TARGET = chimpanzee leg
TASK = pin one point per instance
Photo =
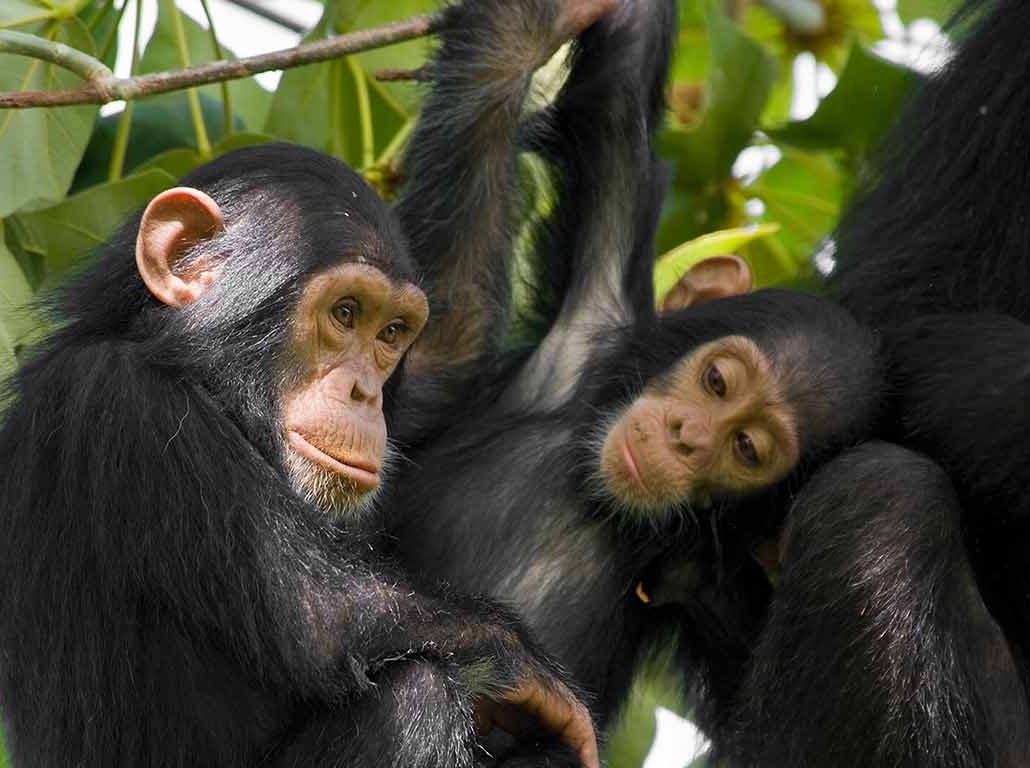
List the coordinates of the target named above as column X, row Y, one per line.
column 879, row 650
column 415, row 717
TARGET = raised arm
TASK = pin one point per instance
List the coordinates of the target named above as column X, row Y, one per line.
column 596, row 249
column 457, row 205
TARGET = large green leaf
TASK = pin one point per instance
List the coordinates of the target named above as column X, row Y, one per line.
column 335, row 107
column 353, row 15
column 802, row 194
column 740, row 76
column 739, row 80
column 40, row 148
column 55, row 239
column 18, row 322
column 17, row 13
column 857, row 112
column 158, row 125
column 671, row 266
column 178, row 162
column 250, row 101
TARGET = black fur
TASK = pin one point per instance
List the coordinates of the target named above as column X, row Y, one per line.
column 509, row 504
column 941, row 222
column 934, row 250
column 877, row 649
column 166, row 598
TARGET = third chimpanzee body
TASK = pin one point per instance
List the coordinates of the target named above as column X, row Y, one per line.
column 934, row 249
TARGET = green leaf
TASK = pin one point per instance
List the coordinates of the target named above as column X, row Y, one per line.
column 19, row 323
column 938, row 10
column 175, row 162
column 690, row 212
column 4, row 763
column 323, row 106
column 41, row 148
column 803, row 194
column 250, row 101
column 856, row 114
column 655, row 683
column 57, row 238
column 739, row 81
column 17, row 13
column 351, row 15
column 672, row 265
column 159, row 125
column 178, row 162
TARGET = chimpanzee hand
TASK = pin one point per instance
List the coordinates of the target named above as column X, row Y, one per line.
column 577, row 15
column 538, row 701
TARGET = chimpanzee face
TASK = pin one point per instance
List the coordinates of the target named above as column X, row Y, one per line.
column 352, row 326
column 716, row 422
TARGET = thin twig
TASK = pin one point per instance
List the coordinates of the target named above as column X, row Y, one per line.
column 393, row 75
column 105, row 89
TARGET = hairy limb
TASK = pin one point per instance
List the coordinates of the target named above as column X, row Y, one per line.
column 415, row 716
column 225, row 549
column 596, row 246
column 879, row 650
column 458, row 202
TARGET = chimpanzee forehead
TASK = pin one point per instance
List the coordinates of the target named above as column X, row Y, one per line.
column 333, row 215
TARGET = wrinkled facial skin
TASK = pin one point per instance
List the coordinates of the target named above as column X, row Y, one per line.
column 715, row 423
column 351, row 329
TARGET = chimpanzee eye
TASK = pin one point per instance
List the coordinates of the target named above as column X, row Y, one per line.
column 714, row 382
column 391, row 333
column 746, row 449
column 344, row 312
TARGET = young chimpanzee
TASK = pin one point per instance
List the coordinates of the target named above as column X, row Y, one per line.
column 553, row 471
column 174, row 591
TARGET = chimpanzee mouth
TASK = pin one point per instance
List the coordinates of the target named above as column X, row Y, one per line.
column 630, row 462
column 362, row 473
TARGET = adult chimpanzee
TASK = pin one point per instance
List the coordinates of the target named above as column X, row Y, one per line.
column 616, row 413
column 941, row 228
column 168, row 596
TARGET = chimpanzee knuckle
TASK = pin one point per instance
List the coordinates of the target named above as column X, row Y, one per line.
column 576, row 15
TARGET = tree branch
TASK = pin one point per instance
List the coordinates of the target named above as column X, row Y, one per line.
column 103, row 87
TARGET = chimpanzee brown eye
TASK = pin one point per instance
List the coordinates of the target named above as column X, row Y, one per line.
column 746, row 449
column 391, row 333
column 714, row 381
column 344, row 312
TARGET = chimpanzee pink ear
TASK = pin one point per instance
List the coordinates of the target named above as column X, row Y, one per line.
column 173, row 222
column 714, row 278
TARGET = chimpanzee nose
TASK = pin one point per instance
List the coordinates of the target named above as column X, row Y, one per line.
column 690, row 429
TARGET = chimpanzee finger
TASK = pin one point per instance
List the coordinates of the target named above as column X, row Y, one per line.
column 560, row 712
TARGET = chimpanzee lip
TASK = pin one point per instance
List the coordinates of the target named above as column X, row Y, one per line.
column 361, row 472
column 630, row 461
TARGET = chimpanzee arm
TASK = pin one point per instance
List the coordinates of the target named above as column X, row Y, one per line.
column 184, row 526
column 457, row 207
column 597, row 245
column 878, row 649
column 963, row 397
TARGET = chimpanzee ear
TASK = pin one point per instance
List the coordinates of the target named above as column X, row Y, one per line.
column 714, row 278
column 173, row 222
